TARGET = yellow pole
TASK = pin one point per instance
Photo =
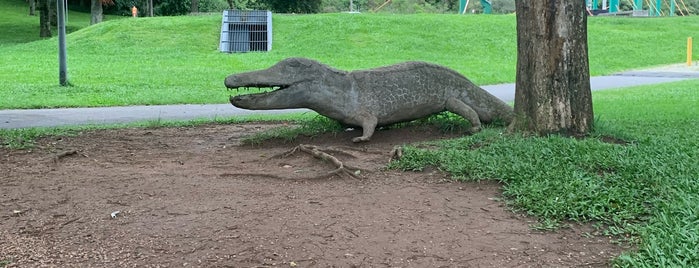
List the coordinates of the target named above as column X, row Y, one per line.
column 689, row 51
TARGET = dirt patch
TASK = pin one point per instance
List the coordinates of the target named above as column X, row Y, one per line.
column 196, row 197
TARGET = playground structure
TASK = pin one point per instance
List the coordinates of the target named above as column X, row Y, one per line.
column 486, row 4
column 611, row 7
column 654, row 9
column 607, row 7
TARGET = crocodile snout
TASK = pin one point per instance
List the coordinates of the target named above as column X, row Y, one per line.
column 231, row 82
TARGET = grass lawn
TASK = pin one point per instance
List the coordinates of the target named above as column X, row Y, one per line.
column 174, row 60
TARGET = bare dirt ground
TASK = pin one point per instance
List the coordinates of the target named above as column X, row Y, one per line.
column 196, row 197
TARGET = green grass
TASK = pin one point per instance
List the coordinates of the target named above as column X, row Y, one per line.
column 309, row 126
column 617, row 44
column 174, row 60
column 646, row 188
column 4, row 263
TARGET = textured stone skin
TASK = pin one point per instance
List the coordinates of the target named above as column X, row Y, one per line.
column 369, row 98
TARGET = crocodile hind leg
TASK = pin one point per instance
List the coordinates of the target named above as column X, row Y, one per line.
column 368, row 123
column 459, row 107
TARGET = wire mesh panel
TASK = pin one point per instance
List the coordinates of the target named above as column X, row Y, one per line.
column 248, row 30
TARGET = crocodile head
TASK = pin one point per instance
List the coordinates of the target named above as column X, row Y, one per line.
column 290, row 82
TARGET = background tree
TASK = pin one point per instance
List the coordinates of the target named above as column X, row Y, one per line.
column 298, row 6
column 45, row 18
column 32, row 7
column 53, row 18
column 96, row 15
column 552, row 92
column 194, row 8
column 96, row 10
column 503, row 6
column 212, row 6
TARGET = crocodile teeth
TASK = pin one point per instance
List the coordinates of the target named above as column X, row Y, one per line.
column 261, row 89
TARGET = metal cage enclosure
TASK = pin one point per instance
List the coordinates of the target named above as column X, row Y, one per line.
column 246, row 30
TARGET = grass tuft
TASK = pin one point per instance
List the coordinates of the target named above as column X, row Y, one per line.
column 305, row 127
column 5, row 262
column 26, row 138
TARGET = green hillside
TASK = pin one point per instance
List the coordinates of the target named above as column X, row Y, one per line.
column 165, row 60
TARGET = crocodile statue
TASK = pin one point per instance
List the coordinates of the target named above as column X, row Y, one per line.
column 369, row 98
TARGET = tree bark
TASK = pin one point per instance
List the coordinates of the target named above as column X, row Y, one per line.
column 150, row 8
column 552, row 92
column 32, row 7
column 53, row 16
column 44, row 19
column 195, row 7
column 96, row 12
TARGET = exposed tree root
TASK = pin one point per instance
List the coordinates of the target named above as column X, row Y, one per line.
column 66, row 153
column 257, row 175
column 356, row 149
column 323, row 154
column 57, row 158
column 317, row 153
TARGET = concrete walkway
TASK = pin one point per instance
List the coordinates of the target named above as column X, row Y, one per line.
column 12, row 119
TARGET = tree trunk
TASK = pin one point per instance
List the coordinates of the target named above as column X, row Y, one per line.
column 32, row 7
column 150, row 8
column 95, row 11
column 44, row 20
column 552, row 92
column 195, row 7
column 53, row 20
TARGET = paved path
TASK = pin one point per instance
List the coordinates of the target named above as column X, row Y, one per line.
column 11, row 119
column 506, row 92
